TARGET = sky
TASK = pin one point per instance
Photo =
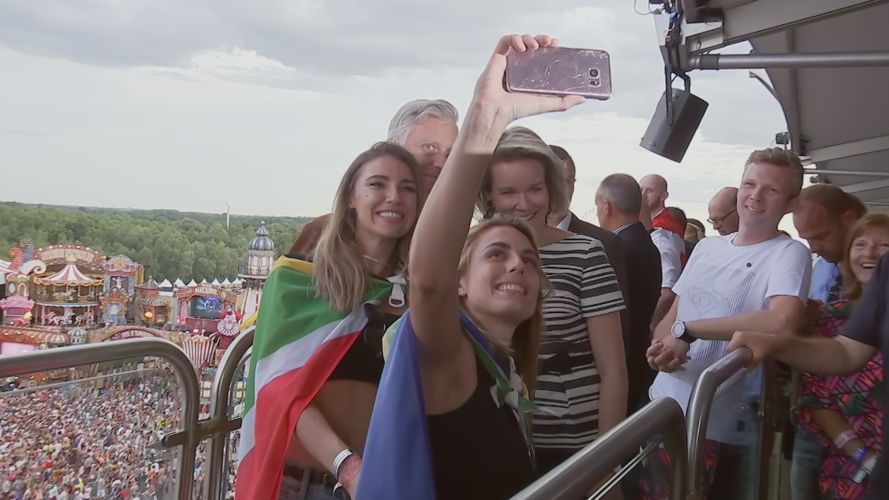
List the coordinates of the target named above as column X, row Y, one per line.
column 190, row 105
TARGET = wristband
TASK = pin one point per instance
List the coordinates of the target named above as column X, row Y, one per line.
column 864, row 471
column 860, row 453
column 338, row 461
column 844, row 438
column 349, row 471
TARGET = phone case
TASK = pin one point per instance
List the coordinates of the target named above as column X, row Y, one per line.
column 560, row 71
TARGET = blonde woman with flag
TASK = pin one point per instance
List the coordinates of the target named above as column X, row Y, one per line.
column 317, row 358
column 452, row 416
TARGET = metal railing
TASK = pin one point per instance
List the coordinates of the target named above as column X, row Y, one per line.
column 88, row 354
column 703, row 394
column 219, row 426
column 575, row 477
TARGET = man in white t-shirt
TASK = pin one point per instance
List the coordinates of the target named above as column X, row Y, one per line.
column 757, row 278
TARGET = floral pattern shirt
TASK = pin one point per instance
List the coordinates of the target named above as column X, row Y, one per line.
column 856, row 397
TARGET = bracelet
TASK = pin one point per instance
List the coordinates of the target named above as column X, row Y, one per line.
column 860, row 453
column 338, row 461
column 844, row 438
column 864, row 471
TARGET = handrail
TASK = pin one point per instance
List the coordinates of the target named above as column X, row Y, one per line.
column 700, row 402
column 766, row 426
column 220, row 424
column 582, row 471
column 87, row 354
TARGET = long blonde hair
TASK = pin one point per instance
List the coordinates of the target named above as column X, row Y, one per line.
column 526, row 339
column 340, row 273
column 852, row 287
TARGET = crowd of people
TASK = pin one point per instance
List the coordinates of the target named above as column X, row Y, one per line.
column 96, row 439
column 525, row 338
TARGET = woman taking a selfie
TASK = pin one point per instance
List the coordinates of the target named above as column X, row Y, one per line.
column 582, row 385
column 472, row 331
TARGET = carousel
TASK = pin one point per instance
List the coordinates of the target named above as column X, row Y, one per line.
column 67, row 298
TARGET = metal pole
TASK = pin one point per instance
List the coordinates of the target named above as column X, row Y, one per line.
column 701, row 400
column 219, row 402
column 88, row 354
column 766, row 428
column 797, row 60
column 577, row 475
column 862, row 173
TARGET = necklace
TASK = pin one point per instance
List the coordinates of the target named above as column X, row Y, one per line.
column 373, row 259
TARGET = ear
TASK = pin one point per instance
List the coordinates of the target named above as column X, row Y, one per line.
column 461, row 290
column 849, row 217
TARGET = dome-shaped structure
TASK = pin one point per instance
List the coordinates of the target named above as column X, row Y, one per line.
column 77, row 335
column 260, row 257
column 261, row 242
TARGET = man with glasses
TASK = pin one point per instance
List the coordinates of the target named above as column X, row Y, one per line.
column 723, row 211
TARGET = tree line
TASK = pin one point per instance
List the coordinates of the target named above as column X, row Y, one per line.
column 168, row 243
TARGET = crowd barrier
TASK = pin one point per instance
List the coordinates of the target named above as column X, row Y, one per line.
column 605, row 462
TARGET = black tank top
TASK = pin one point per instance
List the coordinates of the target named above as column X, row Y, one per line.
column 364, row 359
column 478, row 451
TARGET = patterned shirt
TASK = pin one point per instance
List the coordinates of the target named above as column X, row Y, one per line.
column 567, row 393
column 856, row 397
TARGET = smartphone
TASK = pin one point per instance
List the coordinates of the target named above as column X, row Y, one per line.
column 560, row 71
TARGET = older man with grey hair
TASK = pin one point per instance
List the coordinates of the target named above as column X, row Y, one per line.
column 618, row 203
column 428, row 129
column 425, row 127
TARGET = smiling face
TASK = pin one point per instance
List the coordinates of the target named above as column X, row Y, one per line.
column 502, row 278
column 384, row 198
column 865, row 250
column 518, row 188
column 430, row 141
column 765, row 195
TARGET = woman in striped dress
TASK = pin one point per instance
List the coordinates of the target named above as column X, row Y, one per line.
column 582, row 382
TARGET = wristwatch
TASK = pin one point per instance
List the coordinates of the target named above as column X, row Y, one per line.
column 679, row 331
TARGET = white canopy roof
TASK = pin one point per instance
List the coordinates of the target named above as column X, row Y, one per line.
column 68, row 275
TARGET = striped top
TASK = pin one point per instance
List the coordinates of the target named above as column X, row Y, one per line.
column 567, row 393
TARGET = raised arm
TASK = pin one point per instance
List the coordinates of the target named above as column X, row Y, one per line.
column 445, row 219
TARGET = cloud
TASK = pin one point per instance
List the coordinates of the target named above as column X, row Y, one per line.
column 319, row 45
column 265, row 103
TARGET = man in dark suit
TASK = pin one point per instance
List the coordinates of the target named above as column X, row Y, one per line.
column 612, row 244
column 618, row 203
